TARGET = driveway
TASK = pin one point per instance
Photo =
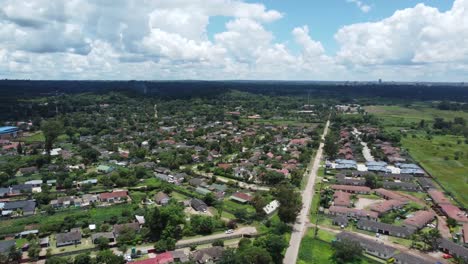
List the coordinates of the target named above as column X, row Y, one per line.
column 307, row 194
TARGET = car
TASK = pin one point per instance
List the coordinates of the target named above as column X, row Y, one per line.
column 447, row 256
column 229, row 231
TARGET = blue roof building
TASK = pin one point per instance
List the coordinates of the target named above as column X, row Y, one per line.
column 8, row 131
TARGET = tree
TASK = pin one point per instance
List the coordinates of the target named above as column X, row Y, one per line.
column 57, row 260
column 209, row 199
column 430, row 238
column 34, row 249
column 274, row 244
column 253, row 255
column 290, row 203
column 82, row 259
column 102, row 243
column 272, row 177
column 51, row 130
column 107, row 257
column 330, row 147
column 258, row 202
column 346, row 251
column 451, row 222
column 372, row 181
column 202, row 224
column 14, row 255
column 19, row 149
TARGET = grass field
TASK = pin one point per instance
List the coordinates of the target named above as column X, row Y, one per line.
column 432, row 155
column 317, row 251
column 37, row 137
column 94, row 215
column 403, row 116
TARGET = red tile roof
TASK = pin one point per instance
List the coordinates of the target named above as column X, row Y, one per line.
column 419, row 219
column 386, row 206
column 438, row 197
column 454, row 212
column 342, row 199
column 116, row 194
column 465, row 233
column 243, row 196
column 351, row 188
column 390, row 194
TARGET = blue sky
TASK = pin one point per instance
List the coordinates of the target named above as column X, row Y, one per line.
column 400, row 40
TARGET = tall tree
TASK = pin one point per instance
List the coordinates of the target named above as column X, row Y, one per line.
column 290, row 203
column 346, row 251
column 51, row 130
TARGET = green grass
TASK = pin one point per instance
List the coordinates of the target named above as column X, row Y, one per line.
column 431, row 155
column 402, row 116
column 93, row 215
column 37, row 137
column 315, row 251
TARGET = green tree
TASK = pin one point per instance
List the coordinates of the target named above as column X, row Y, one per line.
column 82, row 259
column 253, row 255
column 274, row 244
column 346, row 251
column 102, row 243
column 290, row 203
column 107, row 257
column 51, row 130
column 34, row 249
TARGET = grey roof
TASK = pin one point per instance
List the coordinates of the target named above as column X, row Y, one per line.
column 26, row 206
column 206, row 254
column 367, row 244
column 453, row 248
column 341, row 220
column 405, row 258
column 119, row 228
column 198, row 204
column 400, row 185
column 376, row 163
column 392, row 229
column 426, row 183
column 68, row 237
column 108, row 235
column 5, row 245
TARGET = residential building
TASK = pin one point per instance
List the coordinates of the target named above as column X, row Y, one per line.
column 352, row 189
column 271, row 207
column 352, row 212
column 198, row 205
column 161, row 198
column 386, row 229
column 342, row 199
column 113, row 197
column 241, row 197
column 387, row 206
column 207, row 255
column 419, row 219
column 69, row 238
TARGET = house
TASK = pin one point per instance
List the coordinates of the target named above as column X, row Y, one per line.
column 453, row 249
column 386, row 229
column 109, row 235
column 119, row 228
column 271, row 207
column 405, row 258
column 8, row 132
column 410, row 169
column 343, row 180
column 104, row 169
column 207, row 255
column 405, row 186
column 202, row 191
column 352, row 212
column 27, row 207
column 340, row 220
column 66, row 239
column 342, row 199
column 34, row 183
column 454, row 212
column 27, row 171
column 389, row 195
column 419, row 219
column 5, row 246
column 387, row 206
column 241, row 197
column 195, row 182
column 161, row 198
column 26, row 233
column 198, row 205
column 426, row 183
column 438, row 197
column 217, row 187
column 113, row 197
column 140, row 219
column 180, row 256
column 374, row 248
column 352, row 189
column 44, row 242
column 342, row 164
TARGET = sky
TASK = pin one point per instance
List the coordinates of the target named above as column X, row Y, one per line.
column 355, row 40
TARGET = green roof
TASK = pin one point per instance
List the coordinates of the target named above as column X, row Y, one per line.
column 202, row 190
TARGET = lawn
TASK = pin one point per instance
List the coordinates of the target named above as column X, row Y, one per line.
column 314, row 251
column 37, row 137
column 431, row 154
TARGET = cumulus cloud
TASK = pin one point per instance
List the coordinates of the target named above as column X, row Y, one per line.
column 160, row 39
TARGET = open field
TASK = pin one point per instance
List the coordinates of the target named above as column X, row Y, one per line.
column 317, row 251
column 403, row 116
column 432, row 155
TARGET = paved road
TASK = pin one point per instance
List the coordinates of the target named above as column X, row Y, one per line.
column 307, row 194
column 248, row 230
column 399, row 247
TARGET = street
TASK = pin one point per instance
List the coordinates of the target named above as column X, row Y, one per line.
column 307, row 195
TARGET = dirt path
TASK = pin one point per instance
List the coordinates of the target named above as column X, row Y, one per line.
column 303, row 218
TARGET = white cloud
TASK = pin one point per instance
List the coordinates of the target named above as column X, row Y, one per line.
column 362, row 6
column 160, row 39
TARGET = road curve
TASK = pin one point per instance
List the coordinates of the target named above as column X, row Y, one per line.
column 307, row 195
